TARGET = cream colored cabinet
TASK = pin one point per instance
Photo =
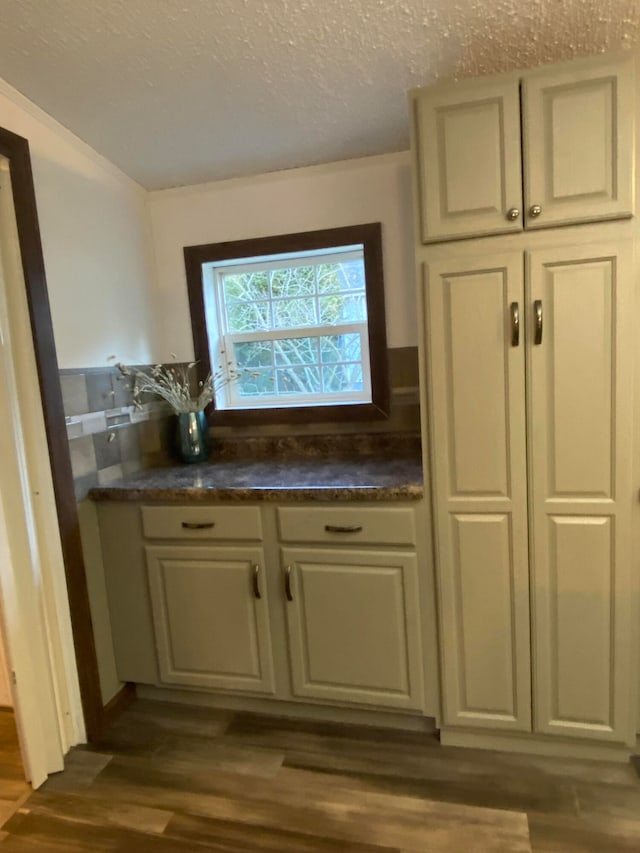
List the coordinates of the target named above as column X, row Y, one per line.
column 479, row 431
column 188, row 595
column 199, row 599
column 353, row 610
column 534, row 534
column 468, row 159
column 210, row 616
column 580, row 392
column 209, row 601
column 565, row 133
column 354, row 626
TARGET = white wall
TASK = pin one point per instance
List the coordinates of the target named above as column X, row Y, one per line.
column 371, row 189
column 96, row 240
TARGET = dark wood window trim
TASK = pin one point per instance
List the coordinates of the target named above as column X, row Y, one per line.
column 16, row 150
column 370, row 235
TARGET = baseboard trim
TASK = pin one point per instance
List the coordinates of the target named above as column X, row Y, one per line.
column 535, row 745
column 117, row 705
column 295, row 710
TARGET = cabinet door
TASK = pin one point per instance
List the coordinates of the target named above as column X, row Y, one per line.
column 477, row 418
column 211, row 628
column 468, row 152
column 354, row 626
column 581, row 492
column 578, row 133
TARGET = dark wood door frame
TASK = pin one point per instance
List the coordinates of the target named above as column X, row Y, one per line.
column 16, row 150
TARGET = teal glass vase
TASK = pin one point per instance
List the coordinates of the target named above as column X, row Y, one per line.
column 192, row 437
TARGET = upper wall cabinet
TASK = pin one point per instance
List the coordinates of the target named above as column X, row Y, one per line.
column 564, row 134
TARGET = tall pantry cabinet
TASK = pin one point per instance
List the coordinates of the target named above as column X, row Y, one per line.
column 527, row 356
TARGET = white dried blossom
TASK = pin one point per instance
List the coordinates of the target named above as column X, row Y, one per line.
column 174, row 383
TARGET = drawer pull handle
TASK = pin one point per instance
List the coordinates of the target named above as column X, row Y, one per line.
column 287, row 583
column 340, row 528
column 256, row 581
column 198, row 525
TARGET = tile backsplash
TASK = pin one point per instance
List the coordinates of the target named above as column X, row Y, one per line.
column 109, row 437
column 404, row 416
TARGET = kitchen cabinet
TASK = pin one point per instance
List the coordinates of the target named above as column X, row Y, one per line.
column 189, row 596
column 354, row 626
column 210, row 617
column 353, row 615
column 546, row 147
column 313, row 604
column 479, row 428
column 529, row 367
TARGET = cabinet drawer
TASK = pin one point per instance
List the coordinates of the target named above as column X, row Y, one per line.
column 393, row 526
column 202, row 522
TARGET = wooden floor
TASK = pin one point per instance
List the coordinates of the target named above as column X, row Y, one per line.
column 171, row 778
column 14, row 790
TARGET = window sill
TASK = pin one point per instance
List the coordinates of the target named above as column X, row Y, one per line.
column 299, row 415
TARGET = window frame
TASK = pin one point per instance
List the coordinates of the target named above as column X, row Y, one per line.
column 370, row 237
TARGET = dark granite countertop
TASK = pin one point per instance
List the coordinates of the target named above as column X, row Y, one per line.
column 364, row 478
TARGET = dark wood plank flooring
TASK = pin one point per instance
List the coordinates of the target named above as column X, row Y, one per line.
column 172, row 778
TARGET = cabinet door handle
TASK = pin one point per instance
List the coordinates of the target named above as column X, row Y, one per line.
column 343, row 528
column 256, row 581
column 287, row 583
column 515, row 324
column 537, row 308
column 198, row 525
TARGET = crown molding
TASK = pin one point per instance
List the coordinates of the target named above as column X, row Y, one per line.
column 399, row 158
column 68, row 137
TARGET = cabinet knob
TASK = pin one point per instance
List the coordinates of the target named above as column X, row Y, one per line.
column 513, row 213
column 535, row 210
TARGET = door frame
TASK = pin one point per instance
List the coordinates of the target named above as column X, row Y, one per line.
column 16, row 150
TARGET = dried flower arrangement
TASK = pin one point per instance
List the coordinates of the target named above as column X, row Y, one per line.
column 175, row 383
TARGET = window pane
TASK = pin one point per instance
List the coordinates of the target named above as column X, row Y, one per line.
column 342, row 377
column 342, row 309
column 247, row 287
column 334, row 278
column 298, row 380
column 253, row 354
column 292, row 313
column 295, row 281
column 248, row 316
column 291, row 351
column 341, row 348
column 258, row 382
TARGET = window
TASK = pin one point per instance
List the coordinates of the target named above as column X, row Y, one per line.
column 300, row 317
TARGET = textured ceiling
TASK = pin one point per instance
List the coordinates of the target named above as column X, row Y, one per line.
column 184, row 91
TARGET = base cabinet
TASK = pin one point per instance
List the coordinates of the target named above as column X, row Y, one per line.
column 210, row 617
column 317, row 604
column 353, row 624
